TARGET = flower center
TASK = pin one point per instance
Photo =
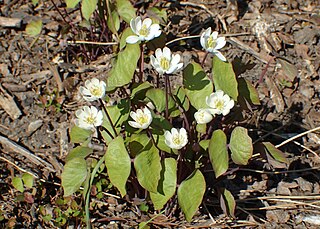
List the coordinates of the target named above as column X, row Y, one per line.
column 220, row 105
column 144, row 31
column 164, row 63
column 142, row 119
column 211, row 43
column 96, row 91
column 177, row 140
column 90, row 119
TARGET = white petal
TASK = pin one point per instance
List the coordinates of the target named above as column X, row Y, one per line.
column 132, row 39
column 175, row 59
column 183, row 132
column 147, row 22
column 158, row 53
column 214, row 35
column 155, row 30
column 207, row 32
column 84, row 91
column 221, row 42
column 138, row 24
column 133, row 25
column 153, row 61
column 133, row 115
column 134, row 124
column 220, row 56
column 203, row 41
column 167, row 53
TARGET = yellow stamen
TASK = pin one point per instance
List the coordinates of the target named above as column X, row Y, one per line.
column 144, row 31
column 211, row 43
column 164, row 63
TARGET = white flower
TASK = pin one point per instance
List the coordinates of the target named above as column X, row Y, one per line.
column 176, row 139
column 164, row 62
column 94, row 89
column 144, row 30
column 88, row 117
column 203, row 116
column 219, row 103
column 212, row 43
column 142, row 118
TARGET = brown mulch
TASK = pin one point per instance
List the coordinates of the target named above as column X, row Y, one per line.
column 274, row 44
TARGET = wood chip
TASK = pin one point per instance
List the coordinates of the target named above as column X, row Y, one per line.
column 275, row 94
column 8, row 104
column 10, row 22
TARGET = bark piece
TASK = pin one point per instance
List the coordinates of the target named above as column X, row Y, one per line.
column 9, row 105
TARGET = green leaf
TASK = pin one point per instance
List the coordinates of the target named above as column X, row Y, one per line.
column 118, row 113
column 88, row 7
column 126, row 10
column 248, row 92
column 159, row 14
column 113, row 24
column 137, row 143
column 218, row 152
column 160, row 142
column 158, row 98
column 227, row 202
column 27, row 180
column 197, row 85
column 224, row 78
column 204, row 144
column 72, row 3
column 80, row 152
column 275, row 153
column 148, row 167
column 190, row 194
column 34, row 28
column 126, row 33
column 124, row 67
column 139, row 89
column 240, row 146
column 167, row 184
column 35, row 2
column 118, row 164
column 182, row 98
column 17, row 184
column 201, row 128
column 79, row 135
column 73, row 175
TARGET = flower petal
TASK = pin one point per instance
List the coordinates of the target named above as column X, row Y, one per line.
column 167, row 53
column 134, row 124
column 220, row 56
column 132, row 39
column 221, row 42
column 147, row 22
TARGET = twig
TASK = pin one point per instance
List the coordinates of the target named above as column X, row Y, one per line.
column 297, row 136
column 248, row 49
column 17, row 167
column 26, row 153
column 92, row 42
column 278, row 172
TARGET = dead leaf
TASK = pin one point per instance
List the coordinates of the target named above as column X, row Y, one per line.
column 275, row 94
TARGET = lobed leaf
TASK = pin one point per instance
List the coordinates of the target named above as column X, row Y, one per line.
column 224, row 78
column 124, row 67
column 158, row 98
column 79, row 135
column 167, row 184
column 18, row 184
column 88, row 7
column 73, row 175
column 275, row 153
column 79, row 151
column 197, row 85
column 190, row 194
column 34, row 28
column 72, row 3
column 218, row 152
column 118, row 164
column 227, row 202
column 240, row 146
column 248, row 91
column 148, row 167
column 27, row 180
column 113, row 22
column 126, row 10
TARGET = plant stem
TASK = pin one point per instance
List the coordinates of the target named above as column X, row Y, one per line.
column 87, row 199
column 108, row 116
column 204, row 59
column 167, row 92
column 141, row 67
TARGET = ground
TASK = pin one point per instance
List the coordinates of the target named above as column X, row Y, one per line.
column 273, row 44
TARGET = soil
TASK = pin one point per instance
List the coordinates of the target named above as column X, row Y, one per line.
column 273, row 44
